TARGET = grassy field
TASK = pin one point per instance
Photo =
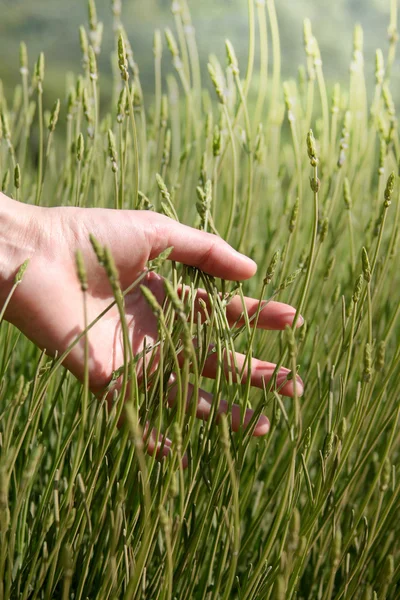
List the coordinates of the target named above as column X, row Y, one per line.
column 303, row 180
column 52, row 28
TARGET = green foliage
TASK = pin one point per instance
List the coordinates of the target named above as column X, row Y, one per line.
column 311, row 509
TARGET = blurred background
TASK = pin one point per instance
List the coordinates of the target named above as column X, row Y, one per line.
column 51, row 26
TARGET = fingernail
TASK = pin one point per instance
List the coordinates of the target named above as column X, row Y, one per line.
column 300, row 321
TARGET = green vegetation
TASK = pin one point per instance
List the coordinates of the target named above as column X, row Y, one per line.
column 311, row 509
column 52, row 28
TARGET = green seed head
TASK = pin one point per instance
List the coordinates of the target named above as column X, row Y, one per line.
column 6, row 181
column 288, row 100
column 162, row 187
column 80, row 147
column 174, row 299
column 86, row 105
column 79, row 88
column 294, row 531
column 151, row 300
column 388, row 570
column 335, row 99
column 380, row 356
column 217, row 83
column 176, row 7
column 54, row 115
column 336, row 294
column 379, row 67
column 164, row 519
column 358, row 39
column 344, row 140
column 92, row 15
column 84, row 44
column 290, row 279
column 23, row 59
column 301, row 73
column 177, row 437
column 389, row 190
column 311, row 149
column 167, row 148
column 116, row 8
column 111, row 269
column 231, row 57
column 328, row 444
column 39, row 69
column 81, row 270
column 121, row 105
column 367, row 374
column 329, row 266
column 366, row 266
column 337, row 547
column 385, row 475
column 303, row 332
column 112, row 151
column 324, row 230
column 315, row 184
column 171, row 43
column 271, row 268
column 92, row 64
column 291, row 341
column 164, row 110
column 357, row 289
column 347, row 194
column 382, row 155
column 122, row 58
column 98, row 249
column 223, row 426
column 388, row 99
column 294, row 215
column 17, row 177
column 217, row 141
column 259, row 150
column 71, row 104
column 309, row 40
column 21, row 271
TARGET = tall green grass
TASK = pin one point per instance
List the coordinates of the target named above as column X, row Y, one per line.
column 310, row 510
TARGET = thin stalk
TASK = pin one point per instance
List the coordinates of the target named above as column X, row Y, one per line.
column 39, row 180
column 135, row 147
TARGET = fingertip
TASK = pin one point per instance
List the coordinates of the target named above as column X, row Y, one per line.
column 245, row 266
column 252, row 265
column 300, row 321
column 287, row 388
column 300, row 385
column 262, row 427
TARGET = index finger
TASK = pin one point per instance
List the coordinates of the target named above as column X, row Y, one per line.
column 196, row 248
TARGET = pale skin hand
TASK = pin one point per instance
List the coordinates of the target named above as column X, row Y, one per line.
column 47, row 305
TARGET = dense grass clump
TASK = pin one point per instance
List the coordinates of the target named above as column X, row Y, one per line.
column 311, row 509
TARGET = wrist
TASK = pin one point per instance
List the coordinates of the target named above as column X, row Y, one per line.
column 17, row 241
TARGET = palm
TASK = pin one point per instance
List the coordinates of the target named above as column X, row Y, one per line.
column 48, row 305
column 55, row 301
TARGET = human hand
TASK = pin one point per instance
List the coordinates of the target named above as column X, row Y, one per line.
column 47, row 305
